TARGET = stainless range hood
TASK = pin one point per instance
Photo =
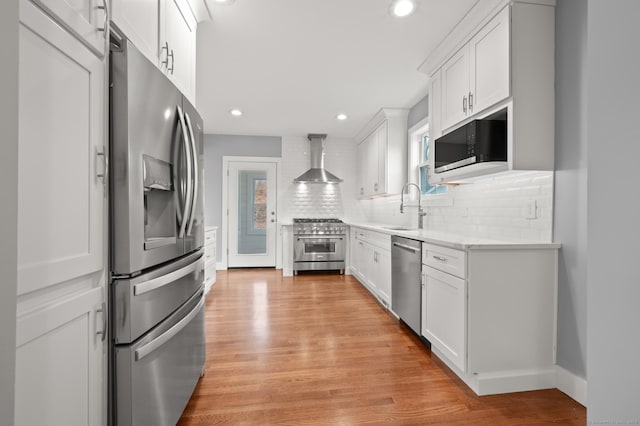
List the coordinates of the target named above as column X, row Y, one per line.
column 317, row 173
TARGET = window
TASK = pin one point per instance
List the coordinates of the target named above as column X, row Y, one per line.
column 419, row 149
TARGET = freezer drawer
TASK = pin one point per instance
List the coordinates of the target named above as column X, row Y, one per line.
column 142, row 302
column 156, row 376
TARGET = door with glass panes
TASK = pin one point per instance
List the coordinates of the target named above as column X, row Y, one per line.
column 252, row 214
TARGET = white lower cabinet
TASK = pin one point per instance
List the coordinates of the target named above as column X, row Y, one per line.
column 371, row 262
column 490, row 314
column 210, row 246
column 380, row 274
column 62, row 256
column 445, row 315
column 60, row 374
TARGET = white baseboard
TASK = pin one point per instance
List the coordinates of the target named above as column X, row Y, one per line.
column 574, row 386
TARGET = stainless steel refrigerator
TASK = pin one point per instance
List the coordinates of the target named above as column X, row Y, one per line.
column 156, row 239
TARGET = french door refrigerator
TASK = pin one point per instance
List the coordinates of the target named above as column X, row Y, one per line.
column 156, row 238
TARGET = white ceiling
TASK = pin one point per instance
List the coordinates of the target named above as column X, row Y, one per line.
column 293, row 65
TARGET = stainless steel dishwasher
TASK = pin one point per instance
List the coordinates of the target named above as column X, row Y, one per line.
column 406, row 295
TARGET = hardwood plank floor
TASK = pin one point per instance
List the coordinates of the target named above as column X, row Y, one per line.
column 317, row 349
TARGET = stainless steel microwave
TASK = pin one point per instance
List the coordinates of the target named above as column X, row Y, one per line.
column 479, row 141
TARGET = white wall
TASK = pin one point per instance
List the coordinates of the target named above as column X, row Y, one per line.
column 613, row 224
column 570, row 217
column 319, row 200
column 8, row 206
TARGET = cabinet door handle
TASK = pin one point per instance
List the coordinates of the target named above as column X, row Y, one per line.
column 470, row 102
column 464, row 104
column 107, row 17
column 103, row 310
column 172, row 61
column 440, row 258
column 166, row 61
column 103, row 160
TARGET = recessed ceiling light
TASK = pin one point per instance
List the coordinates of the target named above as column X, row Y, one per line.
column 223, row 1
column 402, row 8
column 342, row 116
column 235, row 112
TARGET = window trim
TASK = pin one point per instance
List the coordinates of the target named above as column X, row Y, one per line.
column 414, row 141
column 414, row 153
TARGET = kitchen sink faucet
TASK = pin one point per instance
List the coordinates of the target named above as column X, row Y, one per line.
column 421, row 212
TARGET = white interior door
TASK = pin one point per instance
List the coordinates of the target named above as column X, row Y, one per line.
column 252, row 214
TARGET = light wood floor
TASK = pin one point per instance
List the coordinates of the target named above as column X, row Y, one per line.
column 318, row 349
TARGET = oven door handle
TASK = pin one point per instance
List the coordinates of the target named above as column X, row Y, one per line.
column 320, row 238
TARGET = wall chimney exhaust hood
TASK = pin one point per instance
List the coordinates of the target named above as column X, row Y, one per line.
column 317, row 173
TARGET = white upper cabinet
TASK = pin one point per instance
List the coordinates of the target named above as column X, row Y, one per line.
column 500, row 56
column 61, row 196
column 489, row 76
column 139, row 21
column 477, row 76
column 178, row 45
column 86, row 19
column 455, row 88
column 165, row 32
column 382, row 149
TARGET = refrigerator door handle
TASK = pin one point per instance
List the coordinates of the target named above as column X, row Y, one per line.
column 148, row 348
column 156, row 283
column 189, row 196
column 194, row 170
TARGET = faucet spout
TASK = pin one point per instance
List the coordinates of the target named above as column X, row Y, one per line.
column 421, row 212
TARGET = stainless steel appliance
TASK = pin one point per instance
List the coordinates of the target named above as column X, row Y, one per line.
column 406, row 280
column 317, row 173
column 319, row 245
column 156, row 238
column 480, row 141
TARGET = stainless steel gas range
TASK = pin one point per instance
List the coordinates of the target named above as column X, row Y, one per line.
column 319, row 245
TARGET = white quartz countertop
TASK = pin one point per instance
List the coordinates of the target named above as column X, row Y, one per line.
column 456, row 241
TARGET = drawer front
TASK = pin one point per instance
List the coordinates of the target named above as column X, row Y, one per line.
column 209, row 237
column 444, row 259
column 209, row 253
column 360, row 234
column 380, row 239
column 209, row 272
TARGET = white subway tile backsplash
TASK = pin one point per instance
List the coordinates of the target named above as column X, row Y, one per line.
column 319, row 200
column 495, row 208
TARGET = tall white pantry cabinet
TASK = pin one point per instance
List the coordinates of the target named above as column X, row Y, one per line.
column 62, row 220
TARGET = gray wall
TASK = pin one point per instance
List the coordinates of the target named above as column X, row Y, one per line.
column 570, row 213
column 418, row 111
column 8, row 206
column 613, row 277
column 217, row 146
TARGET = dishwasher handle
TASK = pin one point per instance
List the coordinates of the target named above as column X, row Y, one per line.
column 404, row 246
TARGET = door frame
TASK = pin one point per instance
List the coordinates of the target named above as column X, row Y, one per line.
column 224, row 259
